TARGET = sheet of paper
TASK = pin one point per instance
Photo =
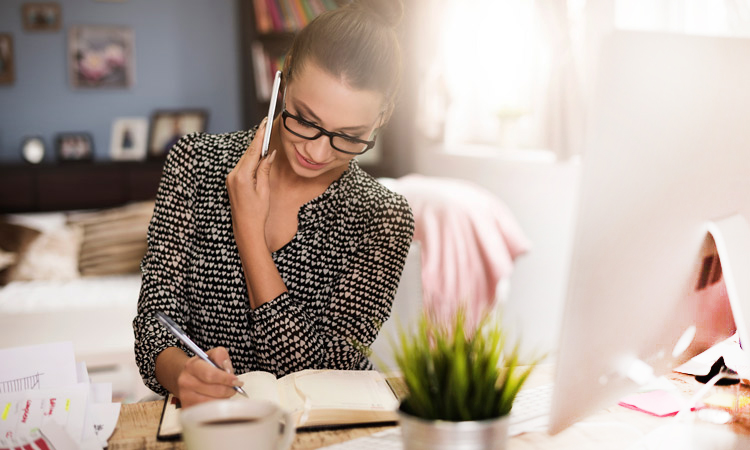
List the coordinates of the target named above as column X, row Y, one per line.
column 100, row 392
column 49, row 436
column 82, row 372
column 58, row 437
column 99, row 424
column 734, row 357
column 23, row 412
column 48, row 402
column 103, row 420
column 737, row 359
column 37, row 367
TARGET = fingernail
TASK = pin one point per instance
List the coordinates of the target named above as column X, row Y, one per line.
column 270, row 158
column 265, row 120
column 238, row 383
column 227, row 365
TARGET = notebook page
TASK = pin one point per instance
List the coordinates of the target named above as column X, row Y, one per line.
column 346, row 389
column 260, row 385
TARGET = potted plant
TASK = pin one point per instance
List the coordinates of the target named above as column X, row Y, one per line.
column 460, row 384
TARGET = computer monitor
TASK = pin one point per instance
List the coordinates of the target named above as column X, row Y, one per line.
column 668, row 151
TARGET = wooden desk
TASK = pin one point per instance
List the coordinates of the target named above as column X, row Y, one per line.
column 615, row 427
column 136, row 429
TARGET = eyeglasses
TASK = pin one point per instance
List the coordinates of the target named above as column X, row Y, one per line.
column 341, row 142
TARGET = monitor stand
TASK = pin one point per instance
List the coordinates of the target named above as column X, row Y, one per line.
column 732, row 238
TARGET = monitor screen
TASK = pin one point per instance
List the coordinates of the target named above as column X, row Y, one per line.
column 668, row 151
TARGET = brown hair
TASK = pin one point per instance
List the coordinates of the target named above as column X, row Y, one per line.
column 356, row 42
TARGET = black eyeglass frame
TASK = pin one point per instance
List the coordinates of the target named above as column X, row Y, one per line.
column 321, row 131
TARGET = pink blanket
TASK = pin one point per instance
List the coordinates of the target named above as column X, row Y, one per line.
column 469, row 240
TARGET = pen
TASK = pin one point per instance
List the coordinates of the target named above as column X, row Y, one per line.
column 177, row 331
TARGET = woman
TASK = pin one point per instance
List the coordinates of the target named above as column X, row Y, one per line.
column 292, row 261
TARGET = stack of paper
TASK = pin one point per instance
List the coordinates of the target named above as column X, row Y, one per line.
column 735, row 358
column 47, row 401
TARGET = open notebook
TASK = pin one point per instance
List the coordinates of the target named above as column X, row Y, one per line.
column 316, row 398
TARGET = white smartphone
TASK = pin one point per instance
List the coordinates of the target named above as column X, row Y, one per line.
column 271, row 113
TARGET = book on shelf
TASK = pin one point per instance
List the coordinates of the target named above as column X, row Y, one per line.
column 264, row 70
column 298, row 16
column 290, row 22
column 260, row 71
column 288, row 15
column 307, row 9
column 263, row 21
column 316, row 399
column 275, row 13
column 329, row 4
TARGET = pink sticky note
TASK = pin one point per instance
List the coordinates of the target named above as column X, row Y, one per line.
column 656, row 403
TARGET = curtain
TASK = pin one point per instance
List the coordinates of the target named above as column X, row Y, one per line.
column 518, row 74
column 502, row 73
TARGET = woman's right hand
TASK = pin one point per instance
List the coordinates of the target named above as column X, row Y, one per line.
column 200, row 382
column 249, row 190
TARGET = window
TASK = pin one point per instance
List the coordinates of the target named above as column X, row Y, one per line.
column 512, row 74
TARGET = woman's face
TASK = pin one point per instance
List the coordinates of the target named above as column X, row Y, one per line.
column 328, row 102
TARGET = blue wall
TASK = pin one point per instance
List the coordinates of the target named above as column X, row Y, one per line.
column 186, row 56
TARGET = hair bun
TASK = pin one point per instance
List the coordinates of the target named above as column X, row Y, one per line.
column 389, row 11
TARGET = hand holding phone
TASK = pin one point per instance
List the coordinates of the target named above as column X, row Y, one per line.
column 271, row 113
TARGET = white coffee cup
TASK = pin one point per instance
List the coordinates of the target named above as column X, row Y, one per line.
column 239, row 423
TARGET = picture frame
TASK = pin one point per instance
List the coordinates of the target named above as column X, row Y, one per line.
column 74, row 147
column 41, row 16
column 128, row 140
column 168, row 126
column 101, row 56
column 7, row 59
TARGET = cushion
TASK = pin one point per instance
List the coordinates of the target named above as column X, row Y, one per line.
column 7, row 259
column 49, row 255
column 114, row 239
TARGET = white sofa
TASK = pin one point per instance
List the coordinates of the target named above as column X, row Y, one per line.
column 96, row 314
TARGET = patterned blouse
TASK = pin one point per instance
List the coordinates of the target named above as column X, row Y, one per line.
column 341, row 268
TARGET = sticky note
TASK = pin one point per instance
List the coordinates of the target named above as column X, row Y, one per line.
column 657, row 403
column 726, row 400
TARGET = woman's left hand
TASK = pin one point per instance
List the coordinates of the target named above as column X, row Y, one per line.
column 249, row 190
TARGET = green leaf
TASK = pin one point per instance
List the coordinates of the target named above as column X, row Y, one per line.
column 456, row 374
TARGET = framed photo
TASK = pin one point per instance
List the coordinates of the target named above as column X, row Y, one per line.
column 41, row 16
column 7, row 66
column 129, row 139
column 101, row 57
column 74, row 147
column 167, row 127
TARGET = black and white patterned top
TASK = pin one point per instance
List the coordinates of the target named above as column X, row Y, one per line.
column 341, row 269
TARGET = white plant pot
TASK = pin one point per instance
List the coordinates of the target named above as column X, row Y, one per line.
column 421, row 434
